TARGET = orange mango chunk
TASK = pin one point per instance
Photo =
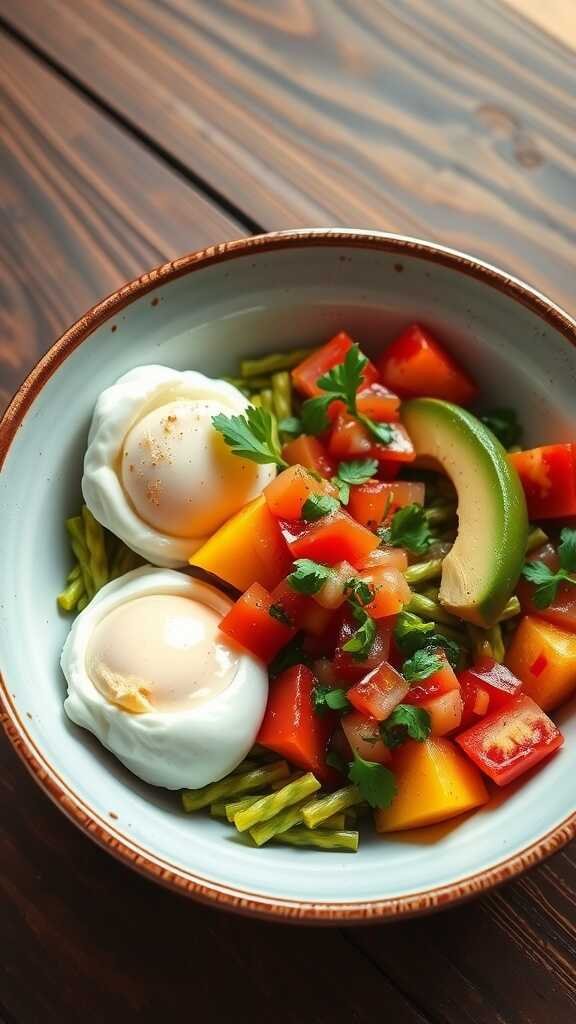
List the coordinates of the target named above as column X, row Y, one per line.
column 544, row 658
column 434, row 782
column 247, row 549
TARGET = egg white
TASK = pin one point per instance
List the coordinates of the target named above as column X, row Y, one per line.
column 177, row 749
column 118, row 408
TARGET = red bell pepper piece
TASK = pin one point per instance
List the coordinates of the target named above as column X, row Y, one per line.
column 334, row 538
column 378, row 403
column 561, row 611
column 512, row 740
column 318, row 363
column 292, row 728
column 415, row 364
column 251, row 622
column 309, row 452
column 440, row 682
column 378, row 692
column 349, row 668
column 485, row 688
column 548, row 476
column 375, row 500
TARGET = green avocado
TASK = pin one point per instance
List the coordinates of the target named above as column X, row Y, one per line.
column 482, row 569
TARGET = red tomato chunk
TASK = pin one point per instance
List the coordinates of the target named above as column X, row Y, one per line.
column 375, row 500
column 363, row 735
column 349, row 668
column 512, row 740
column 378, row 693
column 252, row 625
column 415, row 365
column 486, row 687
column 306, row 374
column 292, row 728
column 548, row 476
column 440, row 682
column 309, row 452
column 561, row 611
column 333, row 539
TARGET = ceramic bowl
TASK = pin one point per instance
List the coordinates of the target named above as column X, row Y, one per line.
column 205, row 311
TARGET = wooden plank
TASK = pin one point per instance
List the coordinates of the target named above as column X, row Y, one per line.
column 83, row 208
column 81, row 937
column 558, row 17
column 448, row 120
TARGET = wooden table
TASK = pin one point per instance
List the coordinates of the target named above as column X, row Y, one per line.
column 133, row 131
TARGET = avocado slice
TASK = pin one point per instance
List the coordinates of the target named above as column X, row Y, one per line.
column 482, row 569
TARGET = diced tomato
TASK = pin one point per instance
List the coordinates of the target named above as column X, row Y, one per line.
column 440, row 682
column 395, row 558
column 349, row 668
column 292, row 728
column 363, row 735
column 486, row 687
column 295, row 605
column 378, row 403
column 391, row 591
column 378, row 692
column 314, row 619
column 349, row 439
column 375, row 500
column 510, row 741
column 288, row 492
column 318, row 363
column 334, row 538
column 333, row 593
column 251, row 624
column 308, row 451
column 562, row 610
column 415, row 364
column 548, row 476
column 445, row 712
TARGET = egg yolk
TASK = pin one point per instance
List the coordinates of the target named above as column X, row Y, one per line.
column 160, row 653
column 178, row 473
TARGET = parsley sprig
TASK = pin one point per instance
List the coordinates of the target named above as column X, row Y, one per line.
column 252, row 435
column 319, row 505
column 421, row 665
column 408, row 529
column 405, row 722
column 547, row 580
column 308, row 577
column 375, row 782
column 357, row 471
column 328, row 698
column 341, row 384
column 412, row 634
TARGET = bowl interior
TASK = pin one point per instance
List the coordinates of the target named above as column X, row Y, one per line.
column 258, row 302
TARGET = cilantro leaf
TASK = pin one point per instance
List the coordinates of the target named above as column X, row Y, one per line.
column 408, row 529
column 314, row 413
column 357, row 471
column 421, row 665
column 343, row 489
column 359, row 591
column 405, row 722
column 308, row 577
column 545, row 580
column 567, row 549
column 277, row 611
column 325, row 697
column 291, row 654
column 383, row 432
column 504, row 424
column 290, row 425
column 343, row 380
column 252, row 435
column 411, row 632
column 319, row 505
column 451, row 648
column 360, row 643
column 375, row 782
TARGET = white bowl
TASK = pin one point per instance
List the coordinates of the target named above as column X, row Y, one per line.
column 204, row 312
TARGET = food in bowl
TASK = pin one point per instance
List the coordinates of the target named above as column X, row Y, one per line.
column 416, row 628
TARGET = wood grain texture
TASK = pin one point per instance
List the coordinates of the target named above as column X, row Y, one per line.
column 450, row 120
column 83, row 208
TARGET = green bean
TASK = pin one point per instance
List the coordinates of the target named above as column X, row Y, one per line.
column 82, row 603
column 124, row 561
column 260, row 753
column 322, row 839
column 266, row 830
column 536, row 537
column 440, row 514
column 419, row 604
column 284, row 782
column 218, row 810
column 96, row 548
column 269, row 806
column 430, row 591
column 247, row 765
column 458, row 635
column 317, row 811
column 421, row 571
column 274, row 362
column 230, row 809
column 254, row 384
column 480, row 642
column 266, row 399
column 282, row 394
column 496, row 641
column 69, row 597
column 233, row 785
column 75, row 528
column 336, row 821
column 74, row 573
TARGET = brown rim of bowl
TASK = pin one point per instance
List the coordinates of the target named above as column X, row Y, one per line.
column 101, row 830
